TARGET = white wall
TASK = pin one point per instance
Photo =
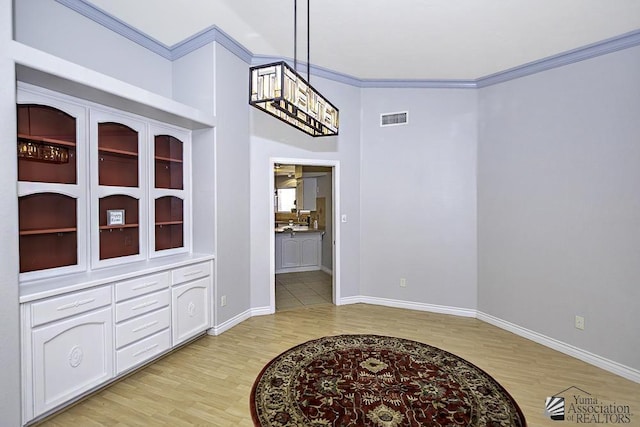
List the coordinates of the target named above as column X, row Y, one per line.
column 273, row 138
column 56, row 29
column 559, row 203
column 418, row 198
column 9, row 265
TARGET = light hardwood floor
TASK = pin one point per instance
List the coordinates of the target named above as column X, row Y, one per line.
column 208, row 382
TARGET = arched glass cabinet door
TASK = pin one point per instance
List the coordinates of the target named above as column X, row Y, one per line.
column 117, row 155
column 51, row 143
column 168, row 162
column 169, row 202
column 46, row 145
column 118, row 174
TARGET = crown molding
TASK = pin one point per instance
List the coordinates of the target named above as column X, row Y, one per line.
column 215, row 34
column 114, row 24
column 593, row 50
column 209, row 35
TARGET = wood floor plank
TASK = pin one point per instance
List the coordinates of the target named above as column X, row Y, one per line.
column 208, row 382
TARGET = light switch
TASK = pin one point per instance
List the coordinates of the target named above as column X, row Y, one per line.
column 344, row 218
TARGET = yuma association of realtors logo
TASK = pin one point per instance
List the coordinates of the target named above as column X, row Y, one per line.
column 583, row 408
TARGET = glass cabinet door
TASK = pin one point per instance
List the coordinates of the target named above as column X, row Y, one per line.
column 49, row 187
column 168, row 193
column 119, row 208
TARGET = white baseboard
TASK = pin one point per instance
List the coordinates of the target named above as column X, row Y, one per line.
column 593, row 359
column 387, row 302
column 585, row 356
column 235, row 320
column 326, row 270
column 262, row 311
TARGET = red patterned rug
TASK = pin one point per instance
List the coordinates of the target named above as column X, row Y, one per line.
column 371, row 380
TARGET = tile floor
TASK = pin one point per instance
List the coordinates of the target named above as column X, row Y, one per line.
column 294, row 290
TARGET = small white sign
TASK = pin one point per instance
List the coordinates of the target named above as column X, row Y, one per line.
column 115, row 217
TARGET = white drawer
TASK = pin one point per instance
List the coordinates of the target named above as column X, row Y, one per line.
column 143, row 326
column 141, row 285
column 69, row 305
column 141, row 305
column 190, row 272
column 142, row 350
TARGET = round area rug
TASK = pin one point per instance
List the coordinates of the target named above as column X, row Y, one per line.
column 371, row 380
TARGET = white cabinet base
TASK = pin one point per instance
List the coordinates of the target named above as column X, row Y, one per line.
column 70, row 357
column 190, row 310
column 76, row 341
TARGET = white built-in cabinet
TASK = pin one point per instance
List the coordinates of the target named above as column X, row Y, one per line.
column 298, row 251
column 108, row 279
column 71, row 355
column 74, row 342
column 97, row 187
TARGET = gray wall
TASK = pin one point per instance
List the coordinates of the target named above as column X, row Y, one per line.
column 9, row 266
column 418, row 196
column 193, row 79
column 272, row 138
column 559, row 203
column 56, row 29
column 234, row 236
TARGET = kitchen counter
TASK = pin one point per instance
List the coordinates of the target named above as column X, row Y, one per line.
column 298, row 248
column 298, row 229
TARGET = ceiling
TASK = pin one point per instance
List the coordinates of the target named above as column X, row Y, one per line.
column 392, row 39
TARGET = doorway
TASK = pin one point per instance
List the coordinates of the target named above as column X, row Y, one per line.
column 297, row 280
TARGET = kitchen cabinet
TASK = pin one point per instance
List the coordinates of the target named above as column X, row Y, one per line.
column 299, row 251
column 306, row 193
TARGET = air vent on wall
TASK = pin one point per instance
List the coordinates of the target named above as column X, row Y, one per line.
column 394, row 119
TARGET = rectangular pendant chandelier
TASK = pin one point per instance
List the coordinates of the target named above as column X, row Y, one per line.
column 278, row 90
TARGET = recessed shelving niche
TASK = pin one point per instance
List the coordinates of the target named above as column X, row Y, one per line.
column 118, row 155
column 122, row 239
column 46, row 145
column 48, row 231
column 168, row 162
column 169, row 223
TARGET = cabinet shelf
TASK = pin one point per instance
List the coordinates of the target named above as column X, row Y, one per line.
column 118, row 152
column 112, row 227
column 48, row 231
column 168, row 159
column 45, row 140
column 162, row 223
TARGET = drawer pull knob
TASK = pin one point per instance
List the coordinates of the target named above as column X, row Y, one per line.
column 145, row 326
column 76, row 304
column 192, row 273
column 144, row 350
column 144, row 285
column 144, row 304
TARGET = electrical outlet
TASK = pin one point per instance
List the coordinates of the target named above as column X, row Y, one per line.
column 223, row 300
column 403, row 282
column 580, row 323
